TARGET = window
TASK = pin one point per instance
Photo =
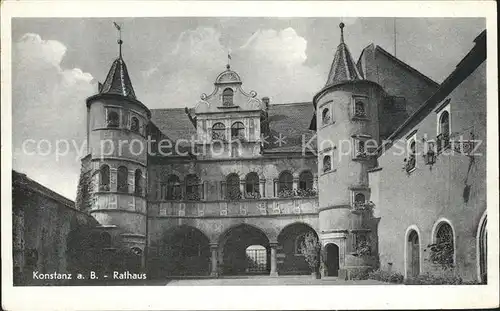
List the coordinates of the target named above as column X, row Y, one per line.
column 444, row 245
column 218, row 131
column 359, row 198
column 252, row 186
column 173, row 188
column 122, row 179
column 326, row 116
column 327, row 163
column 237, row 130
column 104, row 178
column 227, row 97
column 443, row 139
column 306, row 180
column 138, row 182
column 412, row 158
column 113, row 119
column 359, row 108
column 233, row 187
column 134, row 126
column 285, row 182
column 360, row 149
column 192, row 188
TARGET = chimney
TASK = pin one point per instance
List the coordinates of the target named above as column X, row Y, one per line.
column 265, row 100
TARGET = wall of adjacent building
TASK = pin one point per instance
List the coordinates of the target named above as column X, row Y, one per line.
column 430, row 193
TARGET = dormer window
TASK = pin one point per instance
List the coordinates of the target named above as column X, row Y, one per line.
column 113, row 119
column 219, row 131
column 134, row 125
column 227, row 97
column 326, row 116
column 237, row 130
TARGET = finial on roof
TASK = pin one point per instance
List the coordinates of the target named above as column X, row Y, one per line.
column 228, row 66
column 120, row 42
column 341, row 25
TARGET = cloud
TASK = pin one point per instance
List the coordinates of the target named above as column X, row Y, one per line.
column 271, row 62
column 48, row 104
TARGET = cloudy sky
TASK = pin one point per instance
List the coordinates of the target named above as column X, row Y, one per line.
column 58, row 62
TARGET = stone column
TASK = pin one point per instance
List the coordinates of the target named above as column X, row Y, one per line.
column 315, row 183
column 274, row 269
column 262, row 188
column 275, row 187
column 295, row 184
column 242, row 188
column 214, row 269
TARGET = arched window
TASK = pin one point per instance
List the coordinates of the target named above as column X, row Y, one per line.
column 285, row 182
column 306, row 180
column 444, row 123
column 412, row 158
column 192, row 187
column 359, row 198
column 138, row 182
column 444, row 244
column 359, row 109
column 233, row 187
column 252, row 185
column 134, row 125
column 237, row 130
column 104, row 178
column 227, row 97
column 173, row 188
column 327, row 163
column 113, row 119
column 122, row 179
column 218, row 131
column 325, row 116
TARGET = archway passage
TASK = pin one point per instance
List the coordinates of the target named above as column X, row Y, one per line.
column 257, row 259
column 186, row 251
column 413, row 254
column 332, row 259
column 483, row 244
column 290, row 257
column 234, row 259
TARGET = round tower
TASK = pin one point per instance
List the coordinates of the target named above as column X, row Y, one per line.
column 347, row 132
column 117, row 144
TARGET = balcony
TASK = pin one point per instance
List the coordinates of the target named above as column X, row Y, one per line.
column 243, row 207
column 358, row 207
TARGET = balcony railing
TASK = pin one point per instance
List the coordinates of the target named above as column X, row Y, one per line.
column 362, row 206
column 442, row 141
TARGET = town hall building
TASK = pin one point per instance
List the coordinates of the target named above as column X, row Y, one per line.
column 233, row 183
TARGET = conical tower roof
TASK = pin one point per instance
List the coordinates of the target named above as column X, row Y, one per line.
column 343, row 66
column 118, row 81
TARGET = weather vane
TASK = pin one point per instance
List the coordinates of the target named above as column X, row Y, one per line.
column 120, row 42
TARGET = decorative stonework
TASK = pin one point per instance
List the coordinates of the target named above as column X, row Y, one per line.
column 263, row 208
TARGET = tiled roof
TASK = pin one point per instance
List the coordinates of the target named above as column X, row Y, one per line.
column 289, row 120
column 343, row 65
column 118, row 81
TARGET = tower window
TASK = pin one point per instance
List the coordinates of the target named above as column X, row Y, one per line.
column 359, row 108
column 359, row 198
column 104, row 178
column 113, row 119
column 252, row 185
column 327, row 163
column 138, row 182
column 218, row 131
column 227, row 97
column 326, row 116
column 237, row 130
column 122, row 179
column 134, row 126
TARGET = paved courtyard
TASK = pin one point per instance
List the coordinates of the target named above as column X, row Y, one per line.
column 283, row 280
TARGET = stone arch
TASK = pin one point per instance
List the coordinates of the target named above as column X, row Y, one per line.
column 185, row 250
column 232, row 245
column 407, row 259
column 435, row 228
column 291, row 259
column 482, row 249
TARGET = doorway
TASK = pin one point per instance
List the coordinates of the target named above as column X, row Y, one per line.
column 332, row 259
column 413, row 249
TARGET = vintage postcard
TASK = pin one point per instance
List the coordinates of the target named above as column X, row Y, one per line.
column 252, row 155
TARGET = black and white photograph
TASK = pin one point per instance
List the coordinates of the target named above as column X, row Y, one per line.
column 171, row 152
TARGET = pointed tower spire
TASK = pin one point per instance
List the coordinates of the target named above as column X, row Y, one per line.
column 118, row 81
column 343, row 66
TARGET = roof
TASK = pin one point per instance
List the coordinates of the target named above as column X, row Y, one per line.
column 343, row 66
column 118, row 81
column 23, row 181
column 475, row 57
column 290, row 120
